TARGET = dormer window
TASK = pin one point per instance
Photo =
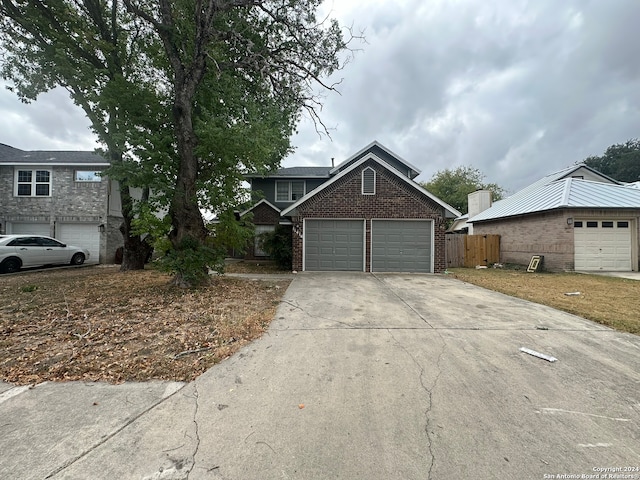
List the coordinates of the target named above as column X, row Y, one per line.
column 368, row 181
column 289, row 190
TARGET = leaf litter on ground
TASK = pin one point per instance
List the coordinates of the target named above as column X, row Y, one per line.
column 100, row 324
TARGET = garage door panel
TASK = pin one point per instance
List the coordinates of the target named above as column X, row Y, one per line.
column 334, row 245
column 599, row 247
column 81, row 235
column 31, row 229
column 401, row 246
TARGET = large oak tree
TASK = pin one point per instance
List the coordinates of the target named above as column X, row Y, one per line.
column 225, row 81
column 91, row 49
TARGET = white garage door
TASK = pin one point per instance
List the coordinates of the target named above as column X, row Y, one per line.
column 81, row 235
column 401, row 246
column 334, row 245
column 30, row 228
column 602, row 245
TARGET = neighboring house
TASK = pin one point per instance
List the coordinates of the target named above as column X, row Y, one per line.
column 578, row 218
column 366, row 214
column 60, row 194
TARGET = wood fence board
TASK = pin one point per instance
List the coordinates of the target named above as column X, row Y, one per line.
column 472, row 250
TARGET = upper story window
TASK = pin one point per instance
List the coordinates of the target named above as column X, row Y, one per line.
column 368, row 181
column 87, row 176
column 33, row 183
column 289, row 190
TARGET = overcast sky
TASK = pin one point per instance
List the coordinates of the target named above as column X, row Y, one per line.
column 515, row 88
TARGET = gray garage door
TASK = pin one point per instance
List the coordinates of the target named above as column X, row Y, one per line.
column 401, row 246
column 334, row 245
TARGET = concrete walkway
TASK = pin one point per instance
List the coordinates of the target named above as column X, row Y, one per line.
column 360, row 377
column 629, row 275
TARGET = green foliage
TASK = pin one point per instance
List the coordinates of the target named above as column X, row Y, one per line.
column 454, row 185
column 191, row 260
column 186, row 96
column 228, row 233
column 620, row 161
column 278, row 245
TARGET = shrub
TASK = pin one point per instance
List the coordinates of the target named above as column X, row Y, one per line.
column 278, row 245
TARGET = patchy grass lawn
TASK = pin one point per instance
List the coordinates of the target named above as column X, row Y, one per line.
column 100, row 324
column 611, row 301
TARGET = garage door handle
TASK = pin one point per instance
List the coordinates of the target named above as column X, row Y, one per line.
column 23, row 248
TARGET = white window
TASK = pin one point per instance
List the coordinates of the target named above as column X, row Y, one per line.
column 261, row 229
column 87, row 176
column 368, row 181
column 290, row 190
column 33, row 183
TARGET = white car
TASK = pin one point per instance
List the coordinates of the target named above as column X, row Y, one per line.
column 18, row 251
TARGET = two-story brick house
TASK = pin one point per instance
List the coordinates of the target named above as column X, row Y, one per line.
column 61, row 194
column 365, row 214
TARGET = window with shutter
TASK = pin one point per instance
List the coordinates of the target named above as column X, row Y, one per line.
column 368, row 181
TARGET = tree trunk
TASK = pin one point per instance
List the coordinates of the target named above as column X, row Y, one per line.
column 186, row 218
column 136, row 250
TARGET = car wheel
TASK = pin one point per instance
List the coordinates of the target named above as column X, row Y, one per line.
column 77, row 259
column 10, row 265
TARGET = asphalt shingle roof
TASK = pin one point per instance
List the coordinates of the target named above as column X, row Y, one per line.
column 313, row 172
column 12, row 156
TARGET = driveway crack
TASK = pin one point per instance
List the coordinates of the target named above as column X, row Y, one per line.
column 429, row 389
column 320, row 317
column 196, row 397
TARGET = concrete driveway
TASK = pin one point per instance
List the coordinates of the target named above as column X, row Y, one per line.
column 364, row 377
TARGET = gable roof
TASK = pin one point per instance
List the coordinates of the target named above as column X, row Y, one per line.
column 450, row 212
column 263, row 201
column 14, row 156
column 381, row 152
column 563, row 193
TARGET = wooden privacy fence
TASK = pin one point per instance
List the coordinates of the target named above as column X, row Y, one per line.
column 472, row 250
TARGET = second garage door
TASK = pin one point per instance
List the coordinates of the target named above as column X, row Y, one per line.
column 401, row 246
column 334, row 245
column 81, row 235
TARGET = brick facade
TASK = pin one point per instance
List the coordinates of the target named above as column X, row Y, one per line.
column 394, row 199
column 263, row 214
column 550, row 234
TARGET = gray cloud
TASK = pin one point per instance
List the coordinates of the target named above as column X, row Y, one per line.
column 517, row 89
column 514, row 88
column 52, row 122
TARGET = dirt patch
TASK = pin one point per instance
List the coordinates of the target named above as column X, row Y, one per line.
column 607, row 300
column 100, row 324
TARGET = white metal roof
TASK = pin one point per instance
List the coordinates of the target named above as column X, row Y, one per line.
column 564, row 193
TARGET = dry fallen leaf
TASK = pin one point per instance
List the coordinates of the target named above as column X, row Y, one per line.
column 100, row 324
